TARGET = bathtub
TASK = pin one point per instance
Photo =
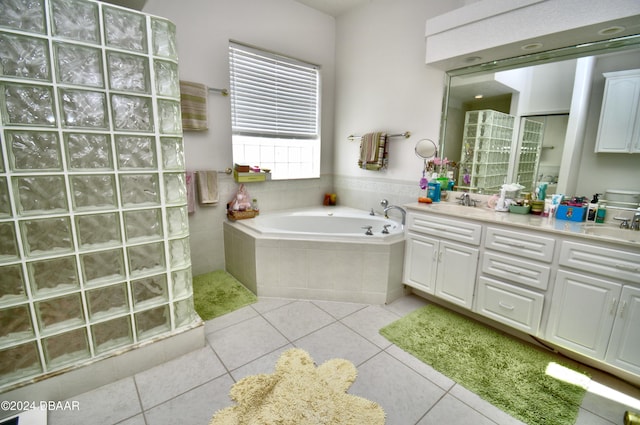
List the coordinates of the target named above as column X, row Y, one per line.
column 317, row 253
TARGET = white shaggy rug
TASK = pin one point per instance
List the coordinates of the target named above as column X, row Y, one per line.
column 299, row 393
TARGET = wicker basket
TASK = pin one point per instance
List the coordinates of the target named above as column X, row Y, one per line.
column 241, row 215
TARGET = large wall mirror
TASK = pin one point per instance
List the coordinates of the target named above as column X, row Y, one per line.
column 534, row 119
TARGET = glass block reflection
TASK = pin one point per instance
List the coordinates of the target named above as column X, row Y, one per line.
column 52, row 276
column 184, row 312
column 59, row 313
column 132, row 113
column 141, row 225
column 8, row 243
column 84, row 109
column 164, row 38
column 93, row 192
column 146, row 259
column 139, row 189
column 112, row 334
column 24, row 57
column 88, row 151
column 102, row 267
column 149, row 290
column 28, row 105
column 40, row 194
column 152, row 322
column 98, row 230
column 12, row 287
column 125, row 30
column 107, row 301
column 34, row 151
column 180, row 253
column 5, row 204
column 15, row 324
column 79, row 65
column 128, row 72
column 172, row 153
column 169, row 116
column 136, row 152
column 175, row 188
column 178, row 221
column 66, row 348
column 181, row 280
column 167, row 81
column 46, row 236
column 25, row 15
column 21, row 361
column 76, row 19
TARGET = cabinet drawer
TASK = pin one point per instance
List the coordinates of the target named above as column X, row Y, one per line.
column 613, row 263
column 511, row 305
column 434, row 225
column 516, row 270
column 525, row 245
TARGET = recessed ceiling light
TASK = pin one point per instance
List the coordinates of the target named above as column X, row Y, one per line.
column 611, row 30
column 472, row 59
column 479, row 96
column 531, row 46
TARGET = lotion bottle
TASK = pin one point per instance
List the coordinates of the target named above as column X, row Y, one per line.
column 593, row 208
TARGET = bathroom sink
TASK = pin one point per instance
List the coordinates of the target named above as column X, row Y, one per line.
column 613, row 232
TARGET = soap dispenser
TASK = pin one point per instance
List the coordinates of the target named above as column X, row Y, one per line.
column 593, row 207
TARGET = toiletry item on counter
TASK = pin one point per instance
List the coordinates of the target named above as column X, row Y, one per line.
column 571, row 212
column 602, row 212
column 537, row 207
column 501, row 204
column 542, row 191
column 433, row 190
column 593, row 207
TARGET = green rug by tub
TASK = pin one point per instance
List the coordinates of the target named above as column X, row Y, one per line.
column 218, row 293
column 505, row 372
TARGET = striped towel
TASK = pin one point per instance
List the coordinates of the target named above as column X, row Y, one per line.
column 373, row 151
column 193, row 102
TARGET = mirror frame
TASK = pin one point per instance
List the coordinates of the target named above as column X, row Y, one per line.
column 571, row 52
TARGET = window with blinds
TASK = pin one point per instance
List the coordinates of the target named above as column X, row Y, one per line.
column 274, row 112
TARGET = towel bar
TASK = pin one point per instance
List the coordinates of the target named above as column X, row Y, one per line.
column 223, row 92
column 406, row 135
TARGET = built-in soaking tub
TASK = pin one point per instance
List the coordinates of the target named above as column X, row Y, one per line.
column 317, row 253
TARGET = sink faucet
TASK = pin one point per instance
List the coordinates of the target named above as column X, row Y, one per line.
column 635, row 221
column 388, row 207
column 466, row 200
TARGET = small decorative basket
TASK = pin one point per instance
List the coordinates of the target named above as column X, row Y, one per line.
column 241, row 215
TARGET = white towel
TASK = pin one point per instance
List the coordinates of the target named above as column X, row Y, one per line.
column 207, row 187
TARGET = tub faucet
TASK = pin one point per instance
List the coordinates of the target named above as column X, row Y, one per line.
column 395, row 207
column 635, row 221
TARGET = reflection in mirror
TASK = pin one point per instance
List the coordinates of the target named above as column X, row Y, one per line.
column 533, row 119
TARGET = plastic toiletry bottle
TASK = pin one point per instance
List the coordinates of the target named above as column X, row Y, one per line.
column 601, row 213
column 254, row 205
column 433, row 190
column 593, row 207
column 501, row 205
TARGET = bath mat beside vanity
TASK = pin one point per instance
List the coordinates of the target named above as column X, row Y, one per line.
column 218, row 293
column 512, row 375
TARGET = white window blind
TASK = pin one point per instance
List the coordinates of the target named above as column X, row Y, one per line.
column 272, row 95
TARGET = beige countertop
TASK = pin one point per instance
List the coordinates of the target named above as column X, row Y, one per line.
column 607, row 232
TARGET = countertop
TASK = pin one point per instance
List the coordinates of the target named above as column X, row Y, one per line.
column 606, row 232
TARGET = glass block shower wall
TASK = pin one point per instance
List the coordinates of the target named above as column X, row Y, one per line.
column 94, row 249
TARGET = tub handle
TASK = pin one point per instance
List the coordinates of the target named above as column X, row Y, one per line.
column 385, row 229
column 368, row 232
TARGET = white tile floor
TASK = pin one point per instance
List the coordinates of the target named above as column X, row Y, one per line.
column 190, row 389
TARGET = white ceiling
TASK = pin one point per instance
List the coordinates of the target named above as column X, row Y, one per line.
column 333, row 7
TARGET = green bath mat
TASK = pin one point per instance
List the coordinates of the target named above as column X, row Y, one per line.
column 218, row 293
column 510, row 374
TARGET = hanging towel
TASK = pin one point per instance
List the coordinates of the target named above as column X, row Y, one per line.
column 193, row 103
column 373, row 151
column 207, row 187
column 191, row 193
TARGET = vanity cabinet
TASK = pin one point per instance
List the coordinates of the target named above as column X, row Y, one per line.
column 435, row 261
column 619, row 128
column 596, row 304
column 515, row 270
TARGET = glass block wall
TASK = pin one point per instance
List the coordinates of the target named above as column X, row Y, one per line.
column 94, row 250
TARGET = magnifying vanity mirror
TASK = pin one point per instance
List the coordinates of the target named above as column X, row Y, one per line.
column 426, row 149
column 534, row 119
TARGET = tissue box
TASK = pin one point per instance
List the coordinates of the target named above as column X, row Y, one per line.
column 568, row 212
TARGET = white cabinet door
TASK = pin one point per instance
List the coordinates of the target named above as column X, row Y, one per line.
column 619, row 126
column 582, row 313
column 455, row 280
column 624, row 347
column 420, row 261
